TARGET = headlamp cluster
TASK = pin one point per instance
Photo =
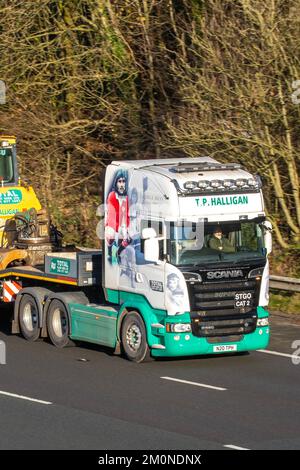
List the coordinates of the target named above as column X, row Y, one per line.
column 228, row 184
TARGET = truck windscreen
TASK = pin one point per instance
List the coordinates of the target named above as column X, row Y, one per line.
column 230, row 241
column 6, row 165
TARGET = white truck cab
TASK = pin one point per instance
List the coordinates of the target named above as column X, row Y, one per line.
column 184, row 266
column 189, row 237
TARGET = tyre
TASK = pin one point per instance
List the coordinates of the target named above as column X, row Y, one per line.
column 29, row 318
column 133, row 338
column 58, row 324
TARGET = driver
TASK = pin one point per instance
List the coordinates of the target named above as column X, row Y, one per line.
column 219, row 242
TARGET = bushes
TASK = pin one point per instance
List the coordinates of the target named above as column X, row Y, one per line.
column 89, row 81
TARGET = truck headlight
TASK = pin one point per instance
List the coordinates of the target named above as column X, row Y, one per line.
column 179, row 327
column 262, row 322
column 256, row 272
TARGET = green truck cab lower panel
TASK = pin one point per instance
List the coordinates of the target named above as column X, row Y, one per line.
column 102, row 325
column 94, row 323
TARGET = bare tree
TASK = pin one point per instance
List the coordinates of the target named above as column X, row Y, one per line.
column 236, row 98
column 89, row 81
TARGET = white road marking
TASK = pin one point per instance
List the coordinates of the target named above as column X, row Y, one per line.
column 13, row 395
column 230, row 446
column 194, row 383
column 275, row 353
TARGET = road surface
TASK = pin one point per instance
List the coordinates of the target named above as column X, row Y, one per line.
column 83, row 397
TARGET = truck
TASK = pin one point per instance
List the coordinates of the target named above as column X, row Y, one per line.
column 183, row 267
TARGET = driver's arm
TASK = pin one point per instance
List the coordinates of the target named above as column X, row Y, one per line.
column 214, row 244
column 227, row 247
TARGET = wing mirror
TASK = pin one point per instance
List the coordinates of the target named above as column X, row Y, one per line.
column 267, row 230
column 151, row 245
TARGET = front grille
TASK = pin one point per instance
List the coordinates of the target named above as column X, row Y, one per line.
column 225, row 339
column 214, row 296
column 235, row 325
column 213, row 312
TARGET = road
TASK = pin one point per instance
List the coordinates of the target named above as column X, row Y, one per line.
column 90, row 399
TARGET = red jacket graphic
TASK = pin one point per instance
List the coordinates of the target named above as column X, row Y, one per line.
column 117, row 211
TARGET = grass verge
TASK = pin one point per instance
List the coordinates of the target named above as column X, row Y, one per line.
column 286, row 302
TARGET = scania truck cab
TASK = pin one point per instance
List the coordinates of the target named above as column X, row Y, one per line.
column 190, row 251
column 183, row 268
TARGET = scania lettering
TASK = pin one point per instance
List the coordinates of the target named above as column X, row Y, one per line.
column 224, row 274
column 183, row 268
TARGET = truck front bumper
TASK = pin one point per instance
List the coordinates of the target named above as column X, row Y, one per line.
column 186, row 344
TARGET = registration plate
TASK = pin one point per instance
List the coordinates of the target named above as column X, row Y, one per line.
column 225, row 348
column 243, row 299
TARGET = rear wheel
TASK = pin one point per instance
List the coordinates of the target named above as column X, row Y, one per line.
column 133, row 337
column 58, row 324
column 29, row 318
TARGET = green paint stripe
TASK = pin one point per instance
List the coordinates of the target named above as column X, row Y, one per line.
column 75, row 310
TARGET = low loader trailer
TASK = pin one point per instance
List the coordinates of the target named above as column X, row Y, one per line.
column 183, row 268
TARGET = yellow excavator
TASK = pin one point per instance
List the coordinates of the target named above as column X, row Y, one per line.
column 13, row 196
column 26, row 232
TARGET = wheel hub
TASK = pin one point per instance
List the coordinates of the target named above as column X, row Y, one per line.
column 134, row 337
column 30, row 317
column 59, row 323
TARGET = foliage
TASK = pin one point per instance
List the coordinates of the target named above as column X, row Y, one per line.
column 90, row 81
column 236, row 98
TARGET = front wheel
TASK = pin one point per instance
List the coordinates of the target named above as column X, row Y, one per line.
column 133, row 337
column 58, row 324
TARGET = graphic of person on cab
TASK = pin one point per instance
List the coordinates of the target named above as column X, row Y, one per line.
column 174, row 294
column 128, row 257
column 117, row 218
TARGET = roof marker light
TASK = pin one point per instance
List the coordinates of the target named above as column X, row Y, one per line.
column 203, row 184
column 190, row 184
column 240, row 182
column 216, row 183
column 228, row 183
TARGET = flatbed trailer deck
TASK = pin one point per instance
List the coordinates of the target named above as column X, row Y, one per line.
column 30, row 272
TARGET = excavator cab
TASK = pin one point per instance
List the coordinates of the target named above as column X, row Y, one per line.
column 14, row 196
column 8, row 161
column 26, row 233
